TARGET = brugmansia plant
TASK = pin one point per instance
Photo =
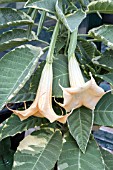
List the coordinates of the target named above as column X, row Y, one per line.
column 60, row 97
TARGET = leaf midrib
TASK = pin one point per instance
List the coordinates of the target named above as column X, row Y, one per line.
column 43, row 151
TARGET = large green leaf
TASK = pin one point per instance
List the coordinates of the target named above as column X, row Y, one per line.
column 103, row 33
column 104, row 111
column 14, row 38
column 9, row 1
column 72, row 158
column 60, row 70
column 39, row 151
column 14, row 125
column 108, row 159
column 13, row 17
column 71, row 21
column 6, row 154
column 16, row 68
column 102, row 6
column 45, row 5
column 80, row 125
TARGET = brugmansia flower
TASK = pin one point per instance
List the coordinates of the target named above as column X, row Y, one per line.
column 42, row 105
column 80, row 93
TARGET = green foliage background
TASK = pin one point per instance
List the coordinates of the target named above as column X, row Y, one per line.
column 65, row 147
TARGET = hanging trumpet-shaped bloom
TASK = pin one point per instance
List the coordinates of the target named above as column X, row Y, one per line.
column 80, row 93
column 42, row 105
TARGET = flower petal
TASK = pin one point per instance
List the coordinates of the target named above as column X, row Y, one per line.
column 32, row 110
column 87, row 95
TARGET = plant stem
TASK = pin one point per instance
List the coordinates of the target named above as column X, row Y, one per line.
column 84, row 35
column 49, row 58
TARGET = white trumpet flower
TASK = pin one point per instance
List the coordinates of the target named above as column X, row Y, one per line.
column 42, row 105
column 80, row 93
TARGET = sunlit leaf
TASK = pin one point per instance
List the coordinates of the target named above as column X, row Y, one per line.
column 46, row 5
column 39, row 151
column 16, row 68
column 103, row 33
column 13, row 17
column 102, row 6
column 14, row 38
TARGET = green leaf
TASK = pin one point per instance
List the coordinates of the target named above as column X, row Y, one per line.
column 60, row 70
column 6, row 154
column 102, row 6
column 39, row 151
column 60, row 43
column 103, row 33
column 105, row 61
column 13, row 17
column 28, row 91
column 104, row 111
column 45, row 5
column 60, row 73
column 9, row 1
column 15, row 38
column 107, row 77
column 108, row 159
column 72, row 158
column 16, row 68
column 14, row 125
column 71, row 21
column 86, row 49
column 80, row 124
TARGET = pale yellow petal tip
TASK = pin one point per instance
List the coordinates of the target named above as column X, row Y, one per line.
column 92, row 77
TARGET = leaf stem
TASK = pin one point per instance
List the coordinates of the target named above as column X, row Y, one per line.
column 84, row 35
